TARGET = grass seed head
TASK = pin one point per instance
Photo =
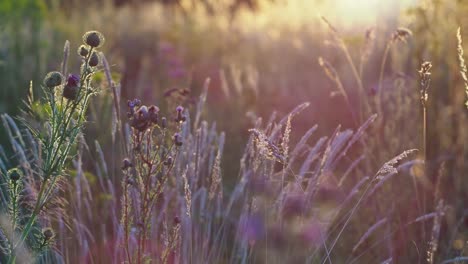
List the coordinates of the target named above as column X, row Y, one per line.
column 401, row 34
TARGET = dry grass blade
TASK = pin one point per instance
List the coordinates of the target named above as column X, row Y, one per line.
column 369, row 232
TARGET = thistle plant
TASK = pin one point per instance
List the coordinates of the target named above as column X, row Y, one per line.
column 153, row 151
column 63, row 116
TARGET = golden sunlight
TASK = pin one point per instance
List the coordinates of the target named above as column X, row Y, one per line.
column 365, row 12
column 345, row 14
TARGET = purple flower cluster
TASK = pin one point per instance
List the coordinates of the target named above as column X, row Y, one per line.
column 141, row 116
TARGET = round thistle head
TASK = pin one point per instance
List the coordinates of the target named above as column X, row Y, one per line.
column 71, row 89
column 70, row 92
column 94, row 60
column 53, row 79
column 141, row 119
column 180, row 117
column 93, row 38
column 168, row 161
column 83, row 51
column 142, row 112
column 177, row 140
column 153, row 109
column 73, row 80
column 153, row 113
column 14, row 175
column 48, row 233
column 126, row 164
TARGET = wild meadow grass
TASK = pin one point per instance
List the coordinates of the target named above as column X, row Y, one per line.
column 99, row 169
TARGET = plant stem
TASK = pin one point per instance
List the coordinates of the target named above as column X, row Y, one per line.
column 381, row 75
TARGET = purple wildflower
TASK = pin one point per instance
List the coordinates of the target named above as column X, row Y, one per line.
column 73, row 80
column 180, row 117
column 177, row 139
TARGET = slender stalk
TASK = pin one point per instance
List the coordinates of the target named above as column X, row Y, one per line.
column 358, row 80
column 381, row 75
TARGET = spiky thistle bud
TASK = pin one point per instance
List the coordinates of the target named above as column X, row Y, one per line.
column 14, row 175
column 153, row 113
column 126, row 164
column 93, row 38
column 168, row 161
column 180, row 117
column 164, row 123
column 48, row 234
column 94, row 60
column 83, row 51
column 53, row 79
column 71, row 89
column 177, row 139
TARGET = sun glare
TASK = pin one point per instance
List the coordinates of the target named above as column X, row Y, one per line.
column 365, row 12
column 346, row 14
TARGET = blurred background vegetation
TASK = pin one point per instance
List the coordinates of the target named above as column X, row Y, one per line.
column 261, row 56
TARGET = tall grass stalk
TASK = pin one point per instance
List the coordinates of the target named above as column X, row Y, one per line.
column 461, row 61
